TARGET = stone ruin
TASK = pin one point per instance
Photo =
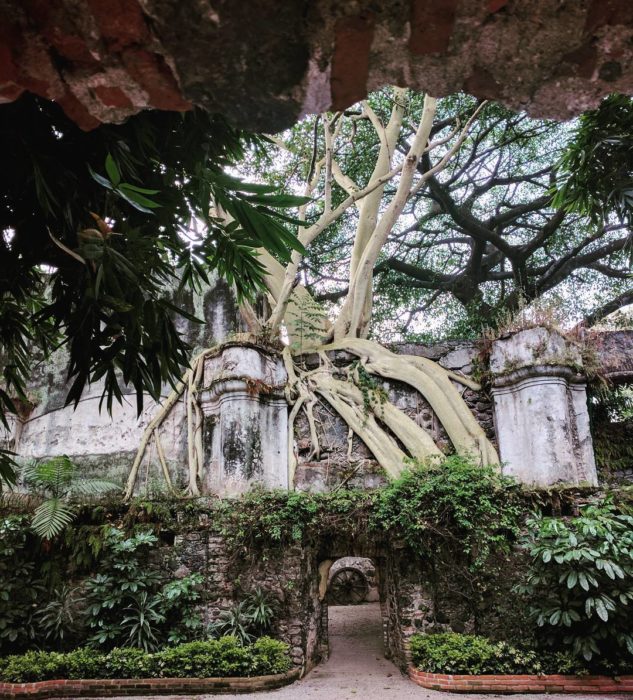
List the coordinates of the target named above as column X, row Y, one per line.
column 535, row 412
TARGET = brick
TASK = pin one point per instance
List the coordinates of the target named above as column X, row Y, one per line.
column 350, row 63
column 431, row 26
column 152, row 73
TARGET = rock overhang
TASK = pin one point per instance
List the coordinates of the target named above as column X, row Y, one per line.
column 265, row 63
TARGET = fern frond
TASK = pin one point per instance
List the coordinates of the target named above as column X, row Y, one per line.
column 55, row 475
column 51, row 517
column 93, row 487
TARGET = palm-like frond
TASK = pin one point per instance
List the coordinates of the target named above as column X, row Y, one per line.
column 92, row 487
column 51, row 517
column 54, row 476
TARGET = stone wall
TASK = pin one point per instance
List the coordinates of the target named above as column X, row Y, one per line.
column 105, row 445
column 265, row 65
column 356, row 467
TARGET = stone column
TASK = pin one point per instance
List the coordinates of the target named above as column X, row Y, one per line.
column 540, row 408
column 245, row 431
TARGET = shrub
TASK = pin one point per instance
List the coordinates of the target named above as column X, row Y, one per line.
column 35, row 666
column 129, row 662
column 461, row 519
column 580, row 582
column 21, row 585
column 224, row 657
column 473, row 655
column 130, row 603
column 85, row 663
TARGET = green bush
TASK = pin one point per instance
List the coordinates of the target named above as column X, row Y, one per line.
column 469, row 654
column 130, row 603
column 129, row 662
column 35, row 666
column 460, row 519
column 84, row 663
column 224, row 657
column 580, row 583
column 22, row 586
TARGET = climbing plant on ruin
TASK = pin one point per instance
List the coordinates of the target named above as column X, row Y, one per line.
column 369, row 208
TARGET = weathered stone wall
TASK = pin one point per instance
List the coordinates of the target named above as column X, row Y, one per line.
column 287, row 575
column 265, row 64
column 356, row 467
column 104, row 445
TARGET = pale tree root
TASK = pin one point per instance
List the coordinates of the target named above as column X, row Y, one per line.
column 187, row 386
column 387, row 431
column 433, row 382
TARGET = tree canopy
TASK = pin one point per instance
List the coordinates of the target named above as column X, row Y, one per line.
column 95, row 225
column 488, row 233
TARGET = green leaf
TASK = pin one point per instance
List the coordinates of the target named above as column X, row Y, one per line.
column 601, row 609
column 132, row 194
column 132, row 200
column 112, row 170
column 100, row 179
column 51, row 517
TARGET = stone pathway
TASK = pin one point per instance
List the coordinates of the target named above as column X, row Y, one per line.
column 357, row 669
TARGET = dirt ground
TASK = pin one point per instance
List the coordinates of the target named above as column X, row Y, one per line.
column 357, row 669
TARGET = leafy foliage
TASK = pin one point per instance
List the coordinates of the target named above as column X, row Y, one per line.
column 460, row 519
column 596, row 169
column 60, row 619
column 57, row 480
column 247, row 619
column 21, row 585
column 580, row 581
column 472, row 654
column 224, row 657
column 452, row 501
column 130, row 603
column 97, row 226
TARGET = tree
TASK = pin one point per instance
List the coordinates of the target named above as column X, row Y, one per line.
column 483, row 239
column 94, row 227
column 387, row 431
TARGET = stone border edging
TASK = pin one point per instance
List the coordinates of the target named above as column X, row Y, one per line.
column 521, row 683
column 107, row 687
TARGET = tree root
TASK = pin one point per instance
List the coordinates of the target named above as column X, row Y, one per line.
column 388, row 432
column 187, row 385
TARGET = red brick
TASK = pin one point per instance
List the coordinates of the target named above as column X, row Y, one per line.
column 152, row 73
column 353, row 37
column 432, row 25
column 121, row 23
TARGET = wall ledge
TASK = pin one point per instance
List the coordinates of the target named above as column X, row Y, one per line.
column 144, row 686
column 546, row 683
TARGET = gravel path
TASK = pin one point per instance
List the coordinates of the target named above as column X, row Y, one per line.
column 357, row 669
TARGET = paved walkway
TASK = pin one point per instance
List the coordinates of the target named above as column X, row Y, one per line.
column 357, row 669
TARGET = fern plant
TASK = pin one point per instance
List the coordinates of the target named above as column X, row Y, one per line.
column 57, row 482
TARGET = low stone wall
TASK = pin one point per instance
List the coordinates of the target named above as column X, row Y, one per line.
column 521, row 683
column 144, row 686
